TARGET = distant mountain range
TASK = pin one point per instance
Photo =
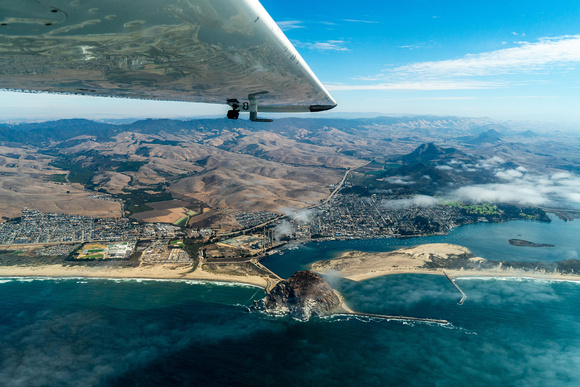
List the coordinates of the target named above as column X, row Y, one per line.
column 249, row 166
column 54, row 131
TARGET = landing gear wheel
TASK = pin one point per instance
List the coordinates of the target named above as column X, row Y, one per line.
column 233, row 114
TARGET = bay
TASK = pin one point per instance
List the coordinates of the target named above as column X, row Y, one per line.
column 486, row 240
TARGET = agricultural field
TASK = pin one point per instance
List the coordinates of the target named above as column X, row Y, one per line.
column 176, row 212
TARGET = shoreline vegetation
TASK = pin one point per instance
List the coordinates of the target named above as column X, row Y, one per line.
column 437, row 258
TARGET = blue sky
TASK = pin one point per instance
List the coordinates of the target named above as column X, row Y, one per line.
column 511, row 59
column 502, row 59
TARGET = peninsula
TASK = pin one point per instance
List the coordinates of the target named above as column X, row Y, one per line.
column 456, row 261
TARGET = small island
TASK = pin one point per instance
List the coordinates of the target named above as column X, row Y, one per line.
column 524, row 243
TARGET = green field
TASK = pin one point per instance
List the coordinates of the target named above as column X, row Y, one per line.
column 135, row 199
column 177, row 243
column 181, row 222
column 57, row 178
column 480, row 209
column 483, row 210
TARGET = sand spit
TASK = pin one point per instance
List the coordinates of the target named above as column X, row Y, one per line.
column 359, row 266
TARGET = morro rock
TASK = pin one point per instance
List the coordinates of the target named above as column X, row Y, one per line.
column 303, row 295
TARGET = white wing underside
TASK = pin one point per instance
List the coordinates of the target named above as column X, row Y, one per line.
column 207, row 51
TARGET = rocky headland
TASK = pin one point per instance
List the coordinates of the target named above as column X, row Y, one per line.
column 302, row 296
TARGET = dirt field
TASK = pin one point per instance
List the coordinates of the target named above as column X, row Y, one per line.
column 25, row 183
column 26, row 191
column 166, row 212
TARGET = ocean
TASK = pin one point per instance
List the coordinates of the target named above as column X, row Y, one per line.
column 514, row 332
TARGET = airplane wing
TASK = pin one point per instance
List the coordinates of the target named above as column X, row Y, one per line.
column 212, row 51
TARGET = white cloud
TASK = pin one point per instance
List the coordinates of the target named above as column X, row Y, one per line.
column 525, row 189
column 399, row 180
column 415, row 201
column 561, row 176
column 333, row 45
column 290, row 25
column 329, row 45
column 510, row 174
column 285, row 228
column 491, row 163
column 411, row 46
column 298, row 215
column 361, row 21
column 557, row 53
column 528, row 57
column 418, row 45
column 495, row 193
column 444, row 167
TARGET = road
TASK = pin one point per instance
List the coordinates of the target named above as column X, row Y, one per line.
column 281, row 217
column 341, row 184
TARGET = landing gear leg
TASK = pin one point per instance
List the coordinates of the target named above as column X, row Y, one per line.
column 235, row 112
column 251, row 107
column 254, row 108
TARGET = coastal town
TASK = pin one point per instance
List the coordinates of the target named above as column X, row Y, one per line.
column 37, row 228
column 345, row 216
column 354, row 217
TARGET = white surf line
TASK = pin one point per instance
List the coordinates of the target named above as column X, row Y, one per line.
column 458, row 288
column 394, row 318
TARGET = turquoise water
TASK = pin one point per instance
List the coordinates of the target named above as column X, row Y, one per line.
column 514, row 332
column 486, row 240
column 98, row 332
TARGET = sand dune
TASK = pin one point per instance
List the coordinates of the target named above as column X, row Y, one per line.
column 359, row 266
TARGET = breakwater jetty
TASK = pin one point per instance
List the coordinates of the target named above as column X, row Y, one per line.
column 458, row 288
column 395, row 318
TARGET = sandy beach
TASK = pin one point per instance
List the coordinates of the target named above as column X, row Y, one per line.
column 360, row 266
column 149, row 272
column 354, row 265
column 469, row 273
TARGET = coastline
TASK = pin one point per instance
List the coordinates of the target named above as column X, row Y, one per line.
column 361, row 266
column 168, row 272
column 353, row 265
column 455, row 274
